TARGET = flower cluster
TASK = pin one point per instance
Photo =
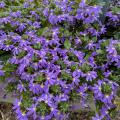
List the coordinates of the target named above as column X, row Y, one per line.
column 59, row 50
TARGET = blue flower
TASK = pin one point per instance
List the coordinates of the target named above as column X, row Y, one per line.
column 21, row 87
column 17, row 103
column 21, row 116
column 97, row 90
column 51, row 78
column 97, row 117
column 35, row 88
column 82, row 91
column 47, row 98
column 91, row 75
column 2, row 4
column 32, row 111
column 2, row 73
column 76, row 76
column 21, row 27
column 111, row 49
column 53, row 19
column 45, row 12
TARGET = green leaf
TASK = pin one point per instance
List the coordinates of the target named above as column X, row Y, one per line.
column 2, row 79
column 117, row 36
column 74, row 67
column 66, row 76
column 43, row 109
column 106, row 88
column 40, row 78
column 11, row 87
column 72, row 57
column 21, row 54
column 63, row 106
column 74, row 95
column 61, row 63
column 30, row 70
column 67, row 44
column 55, row 89
column 5, row 56
column 41, row 31
column 94, row 39
column 85, row 67
column 116, row 9
column 100, row 51
column 37, row 46
column 85, row 38
column 9, row 67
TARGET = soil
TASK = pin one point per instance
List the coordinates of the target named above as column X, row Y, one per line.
column 6, row 112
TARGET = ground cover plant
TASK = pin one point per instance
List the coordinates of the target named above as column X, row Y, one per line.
column 56, row 51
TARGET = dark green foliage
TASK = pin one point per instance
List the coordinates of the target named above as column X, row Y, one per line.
column 43, row 109
column 63, row 106
column 55, row 89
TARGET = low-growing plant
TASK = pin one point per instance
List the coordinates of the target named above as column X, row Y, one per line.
column 59, row 51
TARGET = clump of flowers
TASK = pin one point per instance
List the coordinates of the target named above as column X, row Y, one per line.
column 59, row 50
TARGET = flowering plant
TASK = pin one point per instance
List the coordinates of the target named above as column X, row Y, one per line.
column 59, row 50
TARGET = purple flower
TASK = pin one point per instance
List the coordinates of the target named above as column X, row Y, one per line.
column 82, row 4
column 78, row 41
column 102, row 30
column 90, row 45
column 51, row 78
column 47, row 98
column 24, row 43
column 44, row 88
column 91, row 75
column 114, row 58
column 16, row 50
column 59, row 116
column 32, row 111
column 21, row 116
column 24, row 61
column 2, row 73
column 17, row 103
column 21, row 87
column 21, row 68
column 113, row 85
column 92, row 62
column 2, row 4
column 5, row 20
column 97, row 89
column 107, row 74
column 105, row 112
column 53, row 19
column 114, row 18
column 36, row 24
column 35, row 88
column 76, row 76
column 111, row 50
column 26, row 5
column 109, row 14
column 79, row 55
column 45, row 12
column 21, row 27
column 54, row 111
column 61, row 97
column 47, row 117
column 8, row 47
column 107, row 99
column 82, row 91
column 16, row 14
column 67, row 88
column 97, row 117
